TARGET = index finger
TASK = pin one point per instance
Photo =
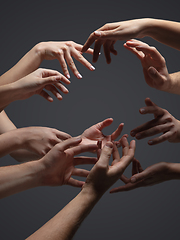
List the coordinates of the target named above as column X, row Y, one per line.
column 89, row 41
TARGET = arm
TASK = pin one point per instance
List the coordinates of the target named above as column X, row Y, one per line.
column 54, row 169
column 166, row 32
column 64, row 225
column 163, row 122
column 48, row 51
column 155, row 174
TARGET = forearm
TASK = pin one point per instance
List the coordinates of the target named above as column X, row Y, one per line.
column 64, row 225
column 25, row 66
column 166, row 32
column 18, row 178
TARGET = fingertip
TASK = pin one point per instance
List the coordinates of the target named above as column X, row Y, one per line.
column 133, row 180
column 97, row 33
column 142, row 110
column 109, row 144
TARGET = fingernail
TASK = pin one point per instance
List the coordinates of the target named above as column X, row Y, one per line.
column 97, row 33
column 150, row 142
column 132, row 133
column 142, row 110
column 79, row 76
column 59, row 96
column 152, row 71
column 68, row 76
column 92, row 68
column 109, row 144
column 133, row 179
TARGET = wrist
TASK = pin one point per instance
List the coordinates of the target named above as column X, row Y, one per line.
column 40, row 50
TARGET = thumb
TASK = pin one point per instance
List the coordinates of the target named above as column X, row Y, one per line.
column 138, row 177
column 106, row 154
column 156, row 76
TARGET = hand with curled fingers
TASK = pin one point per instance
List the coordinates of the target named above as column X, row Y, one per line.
column 63, row 52
column 38, row 141
column 108, row 34
column 163, row 122
column 155, row 174
column 102, row 176
column 39, row 81
column 94, row 133
column 59, row 163
column 153, row 63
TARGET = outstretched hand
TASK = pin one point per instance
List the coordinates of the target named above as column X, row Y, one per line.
column 163, row 122
column 152, row 175
column 94, row 134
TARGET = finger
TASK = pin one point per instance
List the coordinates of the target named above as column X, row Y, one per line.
column 82, row 148
column 140, row 55
column 71, row 64
column 152, row 109
column 84, row 160
column 68, row 143
column 62, row 88
column 89, row 41
column 79, row 48
column 78, row 56
column 45, row 95
column 104, row 124
column 129, row 186
column 105, row 154
column 106, row 47
column 127, row 159
column 155, row 122
column 117, row 132
column 97, row 49
column 54, row 91
column 63, row 64
column 154, row 130
column 80, row 172
column 99, row 145
column 148, row 102
column 164, row 137
column 125, row 146
column 156, row 76
column 140, row 176
column 135, row 168
column 125, row 179
column 112, row 50
column 116, row 157
column 52, row 73
column 75, row 183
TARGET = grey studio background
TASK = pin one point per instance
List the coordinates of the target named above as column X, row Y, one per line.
column 117, row 90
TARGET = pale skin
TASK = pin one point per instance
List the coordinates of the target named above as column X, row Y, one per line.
column 155, row 174
column 54, row 169
column 62, row 51
column 101, row 177
column 166, row 32
column 163, row 123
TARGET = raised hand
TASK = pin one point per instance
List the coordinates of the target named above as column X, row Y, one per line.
column 94, row 133
column 163, row 122
column 153, row 63
column 108, row 34
column 102, row 176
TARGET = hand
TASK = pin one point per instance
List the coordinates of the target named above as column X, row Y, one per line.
column 63, row 52
column 110, row 33
column 163, row 122
column 59, row 163
column 153, row 63
column 152, row 175
column 94, row 133
column 40, row 140
column 102, row 176
column 41, row 79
